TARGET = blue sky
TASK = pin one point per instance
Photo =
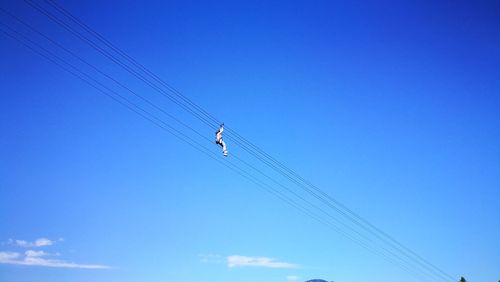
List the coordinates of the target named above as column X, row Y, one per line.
column 392, row 107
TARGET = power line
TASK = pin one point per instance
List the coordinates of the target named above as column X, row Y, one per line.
column 349, row 214
column 390, row 242
column 143, row 113
column 130, row 105
column 261, row 155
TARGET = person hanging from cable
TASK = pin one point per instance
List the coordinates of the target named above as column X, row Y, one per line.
column 218, row 139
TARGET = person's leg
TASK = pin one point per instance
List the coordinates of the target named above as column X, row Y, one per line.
column 224, row 149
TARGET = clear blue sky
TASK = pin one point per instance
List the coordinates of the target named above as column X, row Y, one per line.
column 392, row 107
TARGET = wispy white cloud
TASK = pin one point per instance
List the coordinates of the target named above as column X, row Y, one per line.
column 40, row 242
column 33, row 254
column 43, row 242
column 240, row 261
column 21, row 243
column 292, row 278
column 8, row 256
column 38, row 258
